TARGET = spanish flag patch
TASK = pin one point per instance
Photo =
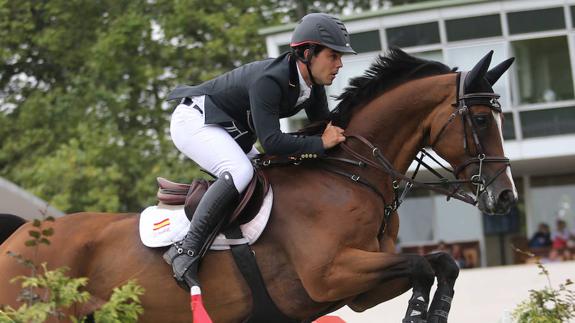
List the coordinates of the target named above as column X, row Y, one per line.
column 164, row 223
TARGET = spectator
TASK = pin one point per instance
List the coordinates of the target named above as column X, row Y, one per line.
column 457, row 255
column 542, row 237
column 561, row 236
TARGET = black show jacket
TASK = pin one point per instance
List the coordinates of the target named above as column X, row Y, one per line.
column 252, row 98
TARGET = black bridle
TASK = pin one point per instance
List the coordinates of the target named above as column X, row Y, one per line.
column 463, row 107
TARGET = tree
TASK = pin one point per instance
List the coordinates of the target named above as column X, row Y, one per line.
column 83, row 121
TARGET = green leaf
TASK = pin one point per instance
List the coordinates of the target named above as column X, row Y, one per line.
column 37, row 223
column 34, row 234
column 48, row 232
column 30, row 243
column 45, row 241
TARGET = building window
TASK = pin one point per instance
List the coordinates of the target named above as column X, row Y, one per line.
column 536, row 20
column 508, row 126
column 543, row 70
column 548, row 122
column 474, row 27
column 413, row 35
column 368, row 41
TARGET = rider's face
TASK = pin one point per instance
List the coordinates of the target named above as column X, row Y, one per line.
column 325, row 66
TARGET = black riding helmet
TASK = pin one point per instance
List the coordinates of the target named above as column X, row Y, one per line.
column 320, row 29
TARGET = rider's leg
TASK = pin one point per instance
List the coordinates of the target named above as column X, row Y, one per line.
column 213, row 149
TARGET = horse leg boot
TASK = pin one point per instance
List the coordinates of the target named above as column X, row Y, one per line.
column 422, row 278
column 446, row 271
column 184, row 256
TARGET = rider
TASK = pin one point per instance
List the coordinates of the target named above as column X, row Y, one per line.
column 217, row 122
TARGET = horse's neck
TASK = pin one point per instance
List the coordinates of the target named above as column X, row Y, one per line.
column 398, row 120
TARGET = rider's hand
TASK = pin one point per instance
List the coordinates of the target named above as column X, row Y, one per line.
column 332, row 135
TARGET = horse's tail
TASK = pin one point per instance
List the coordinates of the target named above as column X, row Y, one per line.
column 8, row 224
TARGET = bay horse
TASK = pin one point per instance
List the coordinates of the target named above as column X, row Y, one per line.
column 330, row 241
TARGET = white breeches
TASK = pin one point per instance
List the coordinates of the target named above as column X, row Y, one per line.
column 209, row 145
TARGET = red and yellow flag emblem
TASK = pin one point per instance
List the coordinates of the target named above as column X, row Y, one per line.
column 164, row 223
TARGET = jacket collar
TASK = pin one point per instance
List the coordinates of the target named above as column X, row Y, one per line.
column 293, row 73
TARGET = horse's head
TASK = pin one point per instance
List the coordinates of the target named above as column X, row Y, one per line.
column 469, row 136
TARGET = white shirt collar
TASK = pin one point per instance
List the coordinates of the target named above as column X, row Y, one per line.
column 304, row 89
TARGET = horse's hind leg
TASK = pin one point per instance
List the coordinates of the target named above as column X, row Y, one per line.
column 446, row 271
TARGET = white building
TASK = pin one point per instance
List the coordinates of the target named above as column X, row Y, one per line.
column 537, row 94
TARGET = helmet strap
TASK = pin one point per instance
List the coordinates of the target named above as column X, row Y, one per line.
column 307, row 62
column 306, row 59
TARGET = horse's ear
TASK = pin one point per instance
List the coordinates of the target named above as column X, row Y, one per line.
column 495, row 73
column 478, row 72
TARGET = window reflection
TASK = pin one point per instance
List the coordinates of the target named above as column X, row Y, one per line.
column 508, row 127
column 536, row 20
column 467, row 28
column 413, row 35
column 548, row 122
column 543, row 70
column 367, row 41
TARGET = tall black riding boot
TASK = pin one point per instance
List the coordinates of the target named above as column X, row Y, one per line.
column 184, row 256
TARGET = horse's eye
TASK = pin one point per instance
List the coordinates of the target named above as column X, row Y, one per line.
column 481, row 120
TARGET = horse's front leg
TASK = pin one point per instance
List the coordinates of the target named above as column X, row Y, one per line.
column 354, row 273
column 446, row 271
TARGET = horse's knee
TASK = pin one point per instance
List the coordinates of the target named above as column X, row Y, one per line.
column 445, row 266
column 422, row 273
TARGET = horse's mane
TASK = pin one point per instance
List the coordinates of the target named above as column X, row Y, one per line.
column 387, row 71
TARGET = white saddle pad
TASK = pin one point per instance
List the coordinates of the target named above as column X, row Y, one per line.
column 163, row 225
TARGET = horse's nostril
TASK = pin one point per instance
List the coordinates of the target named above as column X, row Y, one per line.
column 507, row 197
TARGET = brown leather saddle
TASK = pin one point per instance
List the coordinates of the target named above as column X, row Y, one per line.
column 189, row 195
